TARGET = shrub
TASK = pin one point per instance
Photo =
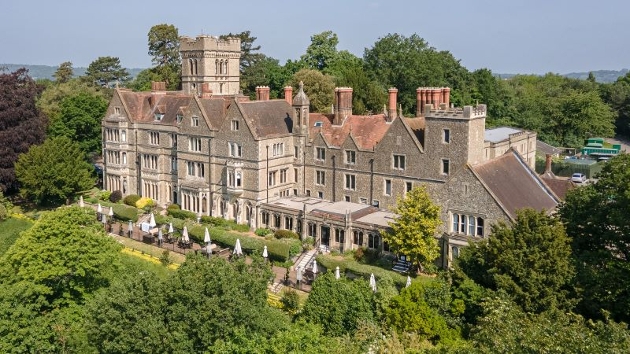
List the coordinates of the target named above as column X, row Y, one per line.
column 165, row 258
column 3, row 212
column 286, row 234
column 131, row 199
column 115, row 197
column 104, row 195
column 125, row 213
column 173, row 207
column 262, row 231
column 182, row 214
column 290, row 301
column 144, row 202
column 359, row 254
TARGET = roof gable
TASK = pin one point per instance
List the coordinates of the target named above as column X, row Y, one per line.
column 268, row 119
column 366, row 130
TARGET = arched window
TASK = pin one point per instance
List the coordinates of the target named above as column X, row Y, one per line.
column 216, row 67
column 196, row 69
column 238, row 179
column 225, row 65
column 124, row 158
column 191, row 65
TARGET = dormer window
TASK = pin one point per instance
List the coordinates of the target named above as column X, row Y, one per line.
column 194, row 122
column 318, row 124
column 179, row 118
column 117, row 110
column 159, row 116
column 235, row 125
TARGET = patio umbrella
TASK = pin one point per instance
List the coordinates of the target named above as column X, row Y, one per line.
column 373, row 282
column 111, row 211
column 130, row 227
column 299, row 274
column 265, row 254
column 237, row 248
column 206, row 237
column 104, row 218
column 81, row 203
column 152, row 221
column 99, row 208
column 170, row 228
column 208, row 250
column 408, row 282
column 337, row 273
column 160, row 235
column 185, row 235
column 314, row 267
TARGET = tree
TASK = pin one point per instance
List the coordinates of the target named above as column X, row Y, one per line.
column 264, row 72
column 617, row 95
column 53, row 172
column 530, row 260
column 338, row 305
column 164, row 51
column 210, row 300
column 417, row 310
column 105, row 71
column 318, row 87
column 64, row 72
column 322, row 51
column 50, row 100
column 413, row 233
column 79, row 119
column 249, row 57
column 407, row 63
column 596, row 217
column 46, row 277
column 21, row 123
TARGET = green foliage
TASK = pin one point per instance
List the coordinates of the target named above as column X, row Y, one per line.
column 18, row 93
column 144, row 202
column 105, row 71
column 131, row 199
column 53, row 172
column 322, row 51
column 163, row 41
column 529, row 260
column 104, row 195
column 79, row 119
column 262, row 231
column 361, row 270
column 10, row 230
column 181, row 214
column 125, row 213
column 596, row 217
column 165, row 258
column 64, row 72
column 318, row 87
column 46, row 277
column 505, row 328
column 280, row 233
column 291, row 301
column 115, row 197
column 413, row 232
column 339, row 305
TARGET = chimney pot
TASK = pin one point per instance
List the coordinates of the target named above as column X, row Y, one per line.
column 288, row 94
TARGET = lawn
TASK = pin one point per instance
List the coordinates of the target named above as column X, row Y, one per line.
column 149, row 249
column 10, row 230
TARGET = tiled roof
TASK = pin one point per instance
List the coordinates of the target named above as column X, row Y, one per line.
column 560, row 186
column 544, row 148
column 417, row 127
column 268, row 119
column 514, row 185
column 366, row 130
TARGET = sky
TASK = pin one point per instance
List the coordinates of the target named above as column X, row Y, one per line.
column 506, row 36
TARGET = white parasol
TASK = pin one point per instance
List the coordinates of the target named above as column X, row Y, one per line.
column 265, row 254
column 237, row 248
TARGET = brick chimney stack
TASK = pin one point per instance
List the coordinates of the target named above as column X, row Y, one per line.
column 446, row 96
column 288, row 94
column 391, row 112
column 343, row 107
column 206, row 91
column 262, row 93
column 438, row 97
column 158, row 87
column 548, row 163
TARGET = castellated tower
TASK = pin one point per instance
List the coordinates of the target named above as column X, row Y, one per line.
column 213, row 61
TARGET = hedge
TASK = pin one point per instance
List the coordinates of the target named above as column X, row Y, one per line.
column 131, row 199
column 125, row 213
column 280, row 233
column 362, row 270
column 182, row 214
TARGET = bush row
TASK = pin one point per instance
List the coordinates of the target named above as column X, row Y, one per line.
column 182, row 214
column 362, row 270
column 125, row 213
column 286, row 234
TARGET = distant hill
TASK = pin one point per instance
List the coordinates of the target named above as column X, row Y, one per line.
column 601, row 76
column 47, row 71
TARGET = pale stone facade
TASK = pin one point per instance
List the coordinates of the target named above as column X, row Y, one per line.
column 273, row 163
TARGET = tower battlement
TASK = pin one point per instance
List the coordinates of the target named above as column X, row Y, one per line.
column 467, row 112
column 209, row 43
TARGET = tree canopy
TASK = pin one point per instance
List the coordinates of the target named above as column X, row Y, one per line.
column 597, row 218
column 21, row 123
column 530, row 260
column 53, row 172
column 163, row 42
column 64, row 72
column 105, row 71
column 318, row 87
column 414, row 230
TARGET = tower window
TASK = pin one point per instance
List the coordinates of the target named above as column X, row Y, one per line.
column 446, row 136
column 445, row 166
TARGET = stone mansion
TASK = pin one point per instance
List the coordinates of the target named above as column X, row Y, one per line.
column 274, row 163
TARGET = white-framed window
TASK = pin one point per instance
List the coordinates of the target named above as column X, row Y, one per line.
column 387, row 190
column 467, row 224
column 124, row 158
column 159, row 116
column 399, row 162
column 194, row 144
column 283, row 175
column 363, row 200
column 191, row 168
column 351, row 182
column 320, row 178
column 320, row 153
column 446, row 136
column 154, row 138
column 272, row 178
column 351, row 157
column 277, row 149
column 194, row 121
column 446, row 168
column 234, row 124
column 235, row 150
column 373, row 241
column 123, row 135
column 117, row 110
